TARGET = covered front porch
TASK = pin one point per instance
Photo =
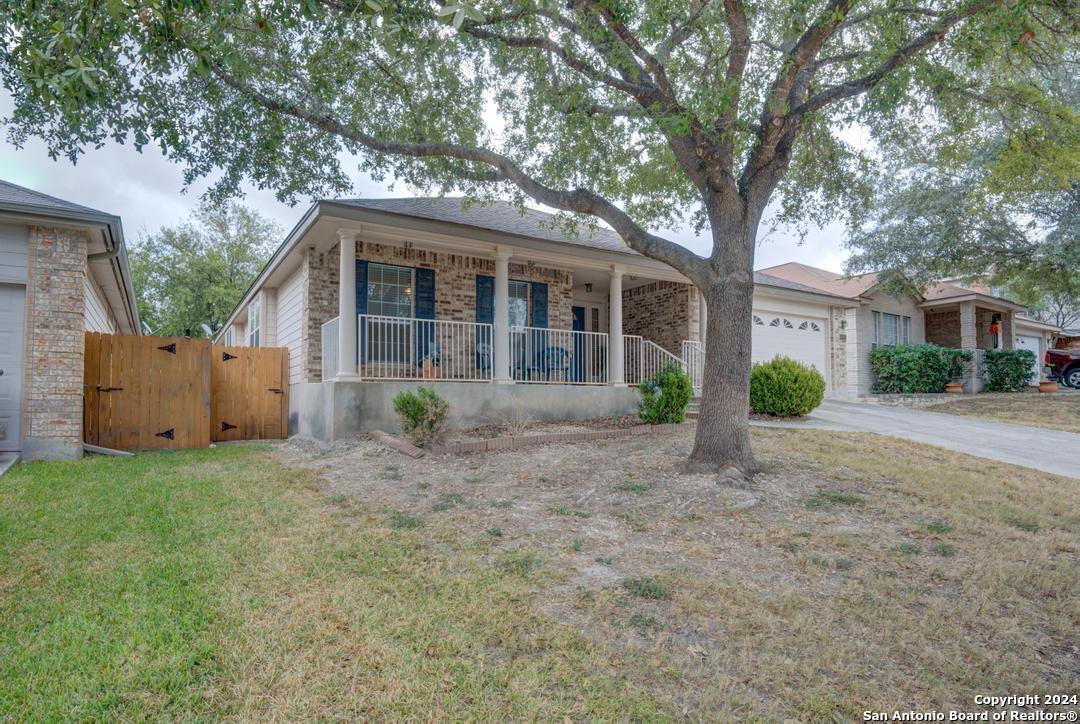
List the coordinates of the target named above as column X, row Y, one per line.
column 976, row 324
column 534, row 320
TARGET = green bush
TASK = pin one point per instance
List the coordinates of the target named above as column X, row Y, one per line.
column 665, row 397
column 421, row 414
column 1008, row 370
column 785, row 388
column 911, row 368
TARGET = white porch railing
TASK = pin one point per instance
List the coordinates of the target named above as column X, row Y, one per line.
column 643, row 359
column 561, row 356
column 403, row 348
column 330, row 349
column 693, row 355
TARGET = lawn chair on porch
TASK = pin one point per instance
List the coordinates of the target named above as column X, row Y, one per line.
column 549, row 360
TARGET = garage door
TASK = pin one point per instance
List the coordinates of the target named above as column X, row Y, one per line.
column 11, row 361
column 800, row 338
column 1025, row 342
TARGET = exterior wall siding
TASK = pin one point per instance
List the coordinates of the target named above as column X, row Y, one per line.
column 663, row 312
column 99, row 316
column 290, row 321
column 455, row 288
column 14, row 239
column 55, row 339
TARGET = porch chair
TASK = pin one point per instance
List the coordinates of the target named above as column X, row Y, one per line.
column 548, row 360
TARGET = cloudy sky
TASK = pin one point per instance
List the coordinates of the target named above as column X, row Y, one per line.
column 147, row 192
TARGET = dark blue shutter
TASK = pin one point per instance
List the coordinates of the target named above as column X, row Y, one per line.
column 425, row 309
column 361, row 308
column 539, row 296
column 485, row 314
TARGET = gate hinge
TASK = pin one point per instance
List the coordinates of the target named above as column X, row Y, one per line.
column 109, row 389
column 225, row 356
column 226, row 427
column 168, row 433
column 170, row 348
column 276, row 390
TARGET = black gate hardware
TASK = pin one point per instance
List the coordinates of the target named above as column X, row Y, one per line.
column 168, row 433
column 225, row 356
column 225, row 427
column 170, row 348
column 276, row 390
column 108, row 389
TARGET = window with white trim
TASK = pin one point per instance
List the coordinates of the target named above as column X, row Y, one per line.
column 390, row 290
column 227, row 340
column 889, row 329
column 254, row 319
column 519, row 303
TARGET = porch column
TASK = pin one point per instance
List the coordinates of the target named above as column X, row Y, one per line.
column 615, row 338
column 501, row 353
column 969, row 340
column 702, row 320
column 347, row 305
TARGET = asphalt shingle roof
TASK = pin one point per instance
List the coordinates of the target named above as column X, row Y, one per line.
column 499, row 216
column 17, row 198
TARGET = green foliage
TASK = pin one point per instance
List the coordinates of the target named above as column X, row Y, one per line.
column 195, row 274
column 916, row 368
column 1008, row 370
column 784, row 387
column 421, row 414
column 665, row 397
column 646, row 587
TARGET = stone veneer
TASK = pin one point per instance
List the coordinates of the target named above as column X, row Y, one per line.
column 838, row 348
column 663, row 312
column 455, row 288
column 55, row 340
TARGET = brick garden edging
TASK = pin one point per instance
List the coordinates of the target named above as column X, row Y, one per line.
column 517, row 442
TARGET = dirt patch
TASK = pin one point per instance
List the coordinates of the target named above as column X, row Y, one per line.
column 813, row 594
column 486, row 432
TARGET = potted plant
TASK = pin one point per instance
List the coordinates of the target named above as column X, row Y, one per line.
column 1048, row 386
column 957, row 369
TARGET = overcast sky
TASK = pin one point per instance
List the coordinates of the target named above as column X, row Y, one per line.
column 147, row 192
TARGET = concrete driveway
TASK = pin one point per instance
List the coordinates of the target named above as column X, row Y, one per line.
column 1053, row 451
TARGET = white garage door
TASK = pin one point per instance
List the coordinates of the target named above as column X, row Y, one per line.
column 800, row 338
column 1025, row 342
column 11, row 360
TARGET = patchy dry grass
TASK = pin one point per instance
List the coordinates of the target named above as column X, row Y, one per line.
column 869, row 573
column 860, row 573
column 1057, row 412
column 217, row 584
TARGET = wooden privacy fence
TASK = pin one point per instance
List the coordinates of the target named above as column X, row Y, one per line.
column 153, row 393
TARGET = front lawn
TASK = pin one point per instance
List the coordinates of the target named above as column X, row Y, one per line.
column 1057, row 412
column 585, row 581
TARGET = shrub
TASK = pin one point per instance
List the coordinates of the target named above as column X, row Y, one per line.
column 665, row 397
column 914, row 368
column 785, row 388
column 1008, row 370
column 421, row 414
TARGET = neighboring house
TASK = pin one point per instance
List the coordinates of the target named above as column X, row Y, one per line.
column 63, row 272
column 452, row 294
column 950, row 314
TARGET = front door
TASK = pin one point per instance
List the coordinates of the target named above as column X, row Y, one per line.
column 12, row 300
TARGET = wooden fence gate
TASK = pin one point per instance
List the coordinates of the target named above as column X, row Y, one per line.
column 153, row 393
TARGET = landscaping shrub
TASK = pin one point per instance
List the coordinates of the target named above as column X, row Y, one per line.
column 421, row 414
column 785, row 388
column 915, row 368
column 1008, row 370
column 665, row 397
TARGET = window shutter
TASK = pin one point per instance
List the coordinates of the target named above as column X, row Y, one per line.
column 425, row 293
column 485, row 299
column 361, row 286
column 539, row 294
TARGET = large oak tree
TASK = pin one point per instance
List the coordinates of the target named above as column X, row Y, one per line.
column 641, row 114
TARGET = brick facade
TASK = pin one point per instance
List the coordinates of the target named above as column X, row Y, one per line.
column 455, row 288
column 55, row 338
column 943, row 328
column 664, row 312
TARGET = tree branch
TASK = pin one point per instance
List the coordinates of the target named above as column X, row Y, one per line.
column 582, row 201
column 902, row 56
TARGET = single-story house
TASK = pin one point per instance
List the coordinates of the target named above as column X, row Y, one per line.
column 373, row 295
column 63, row 272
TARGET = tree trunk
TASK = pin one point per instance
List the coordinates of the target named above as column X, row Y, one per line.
column 723, row 429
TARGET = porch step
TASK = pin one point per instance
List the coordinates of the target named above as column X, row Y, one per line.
column 693, row 410
column 7, row 460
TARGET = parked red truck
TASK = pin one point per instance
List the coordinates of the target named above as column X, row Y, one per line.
column 1064, row 365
